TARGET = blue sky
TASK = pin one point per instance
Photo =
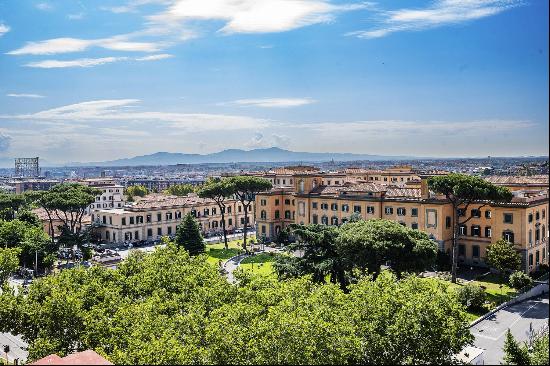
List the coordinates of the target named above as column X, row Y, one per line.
column 98, row 80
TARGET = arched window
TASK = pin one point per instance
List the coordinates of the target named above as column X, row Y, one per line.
column 324, row 220
column 334, row 221
column 288, row 215
column 301, row 186
column 263, row 215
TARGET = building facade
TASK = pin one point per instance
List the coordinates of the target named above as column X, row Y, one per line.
column 311, row 200
column 159, row 215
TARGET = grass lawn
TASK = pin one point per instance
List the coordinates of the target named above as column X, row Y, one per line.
column 495, row 294
column 264, row 269
column 259, row 258
column 217, row 252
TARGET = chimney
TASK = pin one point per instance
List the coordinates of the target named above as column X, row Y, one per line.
column 424, row 191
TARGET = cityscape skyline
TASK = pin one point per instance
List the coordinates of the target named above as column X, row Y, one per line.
column 88, row 82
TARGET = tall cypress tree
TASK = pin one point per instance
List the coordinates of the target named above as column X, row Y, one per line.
column 188, row 235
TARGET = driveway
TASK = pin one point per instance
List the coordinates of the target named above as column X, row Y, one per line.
column 519, row 318
column 17, row 346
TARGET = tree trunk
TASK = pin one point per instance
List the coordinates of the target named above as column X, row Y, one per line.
column 245, row 226
column 223, row 228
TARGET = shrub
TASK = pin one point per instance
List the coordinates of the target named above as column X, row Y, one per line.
column 519, row 280
column 472, row 296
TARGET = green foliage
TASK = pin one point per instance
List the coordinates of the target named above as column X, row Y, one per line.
column 170, row 308
column 29, row 217
column 218, row 190
column 10, row 204
column 519, row 280
column 246, row 188
column 367, row 245
column 180, row 189
column 540, row 350
column 472, row 296
column 467, row 188
column 502, row 256
column 188, row 235
column 31, row 240
column 514, row 353
column 9, row 262
column 260, row 258
column 133, row 191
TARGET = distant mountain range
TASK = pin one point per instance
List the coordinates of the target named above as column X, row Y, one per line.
column 273, row 154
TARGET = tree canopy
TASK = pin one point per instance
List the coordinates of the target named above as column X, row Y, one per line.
column 188, row 235
column 503, row 256
column 9, row 262
column 360, row 245
column 133, row 191
column 218, row 190
column 461, row 191
column 246, row 189
column 180, row 189
column 170, row 308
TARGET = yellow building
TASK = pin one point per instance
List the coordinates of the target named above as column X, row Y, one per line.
column 311, row 200
column 158, row 215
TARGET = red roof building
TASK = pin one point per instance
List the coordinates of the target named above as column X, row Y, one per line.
column 88, row 357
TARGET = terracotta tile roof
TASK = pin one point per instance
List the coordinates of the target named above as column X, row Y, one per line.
column 87, row 357
column 161, row 200
column 518, row 180
column 43, row 216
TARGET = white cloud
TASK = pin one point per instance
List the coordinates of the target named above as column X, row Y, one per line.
column 76, row 16
column 14, row 95
column 5, row 142
column 82, row 62
column 273, row 102
column 440, row 13
column 3, row 29
column 44, row 6
column 110, row 110
column 254, row 16
column 68, row 45
column 154, row 57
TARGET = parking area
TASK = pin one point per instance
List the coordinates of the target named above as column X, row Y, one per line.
column 519, row 318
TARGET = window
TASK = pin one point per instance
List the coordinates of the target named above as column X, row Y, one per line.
column 530, row 237
column 414, row 225
column 345, row 208
column 530, row 217
column 508, row 236
column 229, row 209
column 543, row 213
column 388, row 210
column 168, row 216
column 508, row 218
column 463, row 230
column 276, row 202
column 537, row 216
column 530, row 259
column 487, row 214
column 287, row 201
column 324, row 206
column 461, row 212
column 357, row 208
column 159, row 217
column 206, row 212
column 263, row 229
column 105, row 220
column 476, row 213
column 314, row 205
column 287, row 214
column 263, row 202
column 488, row 232
column 263, row 215
column 448, row 222
column 537, row 257
column 149, row 233
column 324, row 220
column 370, row 210
column 315, row 219
column 159, row 231
column 214, row 210
column 414, row 212
column 132, row 220
column 148, row 218
column 461, row 250
column 475, row 251
column 110, row 220
column 401, row 211
column 334, row 207
column 230, row 222
column 402, row 223
column 476, row 230
column 537, row 235
column 334, row 221
column 277, row 215
column 123, row 221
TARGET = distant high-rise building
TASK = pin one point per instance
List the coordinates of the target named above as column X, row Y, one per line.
column 27, row 167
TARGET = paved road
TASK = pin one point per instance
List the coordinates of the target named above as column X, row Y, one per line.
column 16, row 347
column 491, row 333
